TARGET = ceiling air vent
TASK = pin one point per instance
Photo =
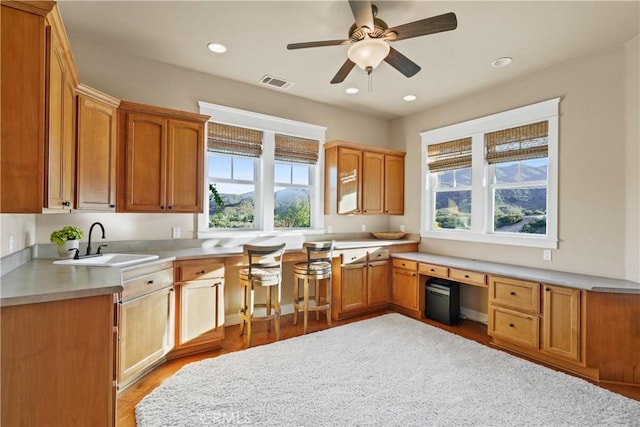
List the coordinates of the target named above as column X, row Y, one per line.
column 276, row 82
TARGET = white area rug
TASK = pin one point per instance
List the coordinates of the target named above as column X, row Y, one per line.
column 386, row 371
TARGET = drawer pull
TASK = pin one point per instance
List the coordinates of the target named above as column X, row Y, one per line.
column 511, row 325
column 466, row 276
column 201, row 272
column 547, row 289
column 432, row 270
column 512, row 293
column 150, row 282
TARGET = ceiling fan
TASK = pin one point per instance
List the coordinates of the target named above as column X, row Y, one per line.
column 370, row 37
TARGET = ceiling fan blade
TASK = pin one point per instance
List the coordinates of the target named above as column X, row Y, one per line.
column 401, row 63
column 362, row 12
column 304, row 45
column 435, row 24
column 343, row 71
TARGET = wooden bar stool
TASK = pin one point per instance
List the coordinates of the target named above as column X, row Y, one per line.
column 316, row 268
column 264, row 269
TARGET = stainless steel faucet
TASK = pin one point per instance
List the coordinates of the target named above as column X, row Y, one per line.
column 91, row 231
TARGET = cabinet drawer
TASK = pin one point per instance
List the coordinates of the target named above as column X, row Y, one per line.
column 469, row 277
column 379, row 255
column 519, row 328
column 407, row 265
column 198, row 269
column 147, row 283
column 433, row 270
column 350, row 256
column 516, row 294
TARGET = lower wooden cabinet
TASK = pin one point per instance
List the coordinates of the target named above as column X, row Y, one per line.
column 199, row 305
column 561, row 326
column 362, row 284
column 542, row 319
column 146, row 316
column 57, row 363
column 405, row 285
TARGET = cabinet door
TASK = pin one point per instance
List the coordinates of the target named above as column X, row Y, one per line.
column 201, row 310
column 404, row 289
column 96, row 155
column 57, row 363
column 60, row 148
column 185, row 169
column 354, row 287
column 378, row 278
column 146, row 333
column 393, row 185
column 372, row 183
column 145, row 152
column 561, row 322
column 22, row 107
column 349, row 169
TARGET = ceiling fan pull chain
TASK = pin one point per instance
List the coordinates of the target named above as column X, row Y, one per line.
column 370, row 82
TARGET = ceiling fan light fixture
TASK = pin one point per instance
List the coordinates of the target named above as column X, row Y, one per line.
column 368, row 53
column 352, row 90
column 409, row 98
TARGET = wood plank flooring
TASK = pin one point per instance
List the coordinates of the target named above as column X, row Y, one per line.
column 129, row 398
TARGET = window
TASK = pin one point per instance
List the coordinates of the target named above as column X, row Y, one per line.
column 264, row 173
column 494, row 179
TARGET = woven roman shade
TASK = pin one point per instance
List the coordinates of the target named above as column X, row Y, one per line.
column 519, row 143
column 449, row 155
column 234, row 140
column 295, row 149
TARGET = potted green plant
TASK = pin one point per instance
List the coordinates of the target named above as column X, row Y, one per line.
column 67, row 238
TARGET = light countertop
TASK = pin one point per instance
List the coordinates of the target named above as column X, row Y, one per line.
column 573, row 280
column 39, row 280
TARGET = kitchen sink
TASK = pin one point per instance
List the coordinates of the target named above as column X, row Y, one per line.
column 108, row 260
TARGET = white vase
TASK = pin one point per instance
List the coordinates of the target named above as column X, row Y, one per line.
column 63, row 249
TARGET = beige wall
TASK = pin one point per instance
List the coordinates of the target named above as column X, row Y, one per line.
column 598, row 166
column 19, row 228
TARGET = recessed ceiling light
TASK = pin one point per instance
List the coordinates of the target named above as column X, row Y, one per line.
column 352, row 90
column 501, row 62
column 217, row 47
column 409, row 98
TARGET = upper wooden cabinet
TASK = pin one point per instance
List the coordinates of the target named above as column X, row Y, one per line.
column 62, row 79
column 160, row 159
column 37, row 109
column 361, row 179
column 22, row 110
column 96, row 150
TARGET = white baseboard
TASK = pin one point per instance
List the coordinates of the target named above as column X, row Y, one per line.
column 476, row 316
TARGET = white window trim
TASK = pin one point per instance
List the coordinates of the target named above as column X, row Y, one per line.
column 264, row 205
column 481, row 200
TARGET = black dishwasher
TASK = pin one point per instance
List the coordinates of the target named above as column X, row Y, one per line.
column 442, row 301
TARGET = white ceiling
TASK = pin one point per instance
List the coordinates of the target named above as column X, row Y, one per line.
column 536, row 34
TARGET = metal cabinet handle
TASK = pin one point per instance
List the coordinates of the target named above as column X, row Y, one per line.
column 150, row 282
column 466, row 276
column 512, row 293
column 511, row 325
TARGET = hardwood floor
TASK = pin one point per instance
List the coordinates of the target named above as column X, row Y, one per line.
column 129, row 398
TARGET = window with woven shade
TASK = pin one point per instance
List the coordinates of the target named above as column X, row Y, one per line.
column 295, row 149
column 234, row 140
column 519, row 143
column 494, row 179
column 450, row 165
column 262, row 173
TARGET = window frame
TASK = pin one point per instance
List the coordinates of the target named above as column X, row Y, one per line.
column 481, row 190
column 264, row 204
